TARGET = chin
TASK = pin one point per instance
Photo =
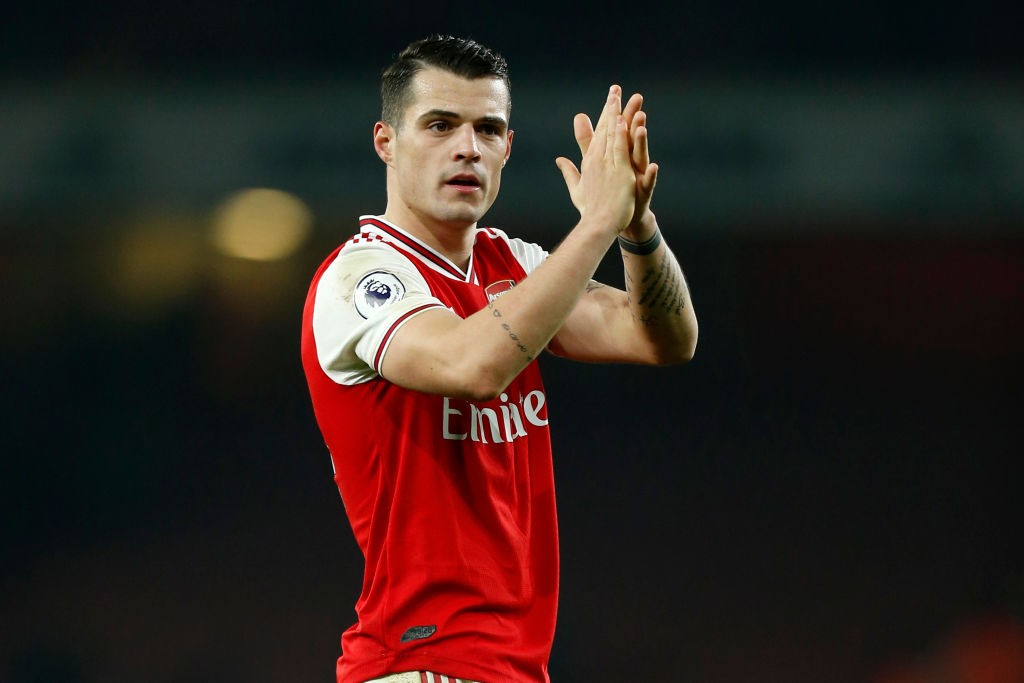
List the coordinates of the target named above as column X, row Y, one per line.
column 465, row 214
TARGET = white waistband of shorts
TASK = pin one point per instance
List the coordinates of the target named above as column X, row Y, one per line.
column 418, row 677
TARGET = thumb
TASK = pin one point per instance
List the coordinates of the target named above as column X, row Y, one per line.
column 570, row 174
column 583, row 129
column 649, row 178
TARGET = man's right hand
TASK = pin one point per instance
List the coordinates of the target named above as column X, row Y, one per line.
column 603, row 190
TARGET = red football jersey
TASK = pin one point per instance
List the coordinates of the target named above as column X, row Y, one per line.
column 451, row 502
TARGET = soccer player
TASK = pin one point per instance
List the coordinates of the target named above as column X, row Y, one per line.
column 419, row 340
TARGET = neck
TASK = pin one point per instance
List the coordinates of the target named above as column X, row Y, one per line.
column 453, row 240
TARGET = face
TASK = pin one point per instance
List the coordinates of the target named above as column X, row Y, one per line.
column 445, row 159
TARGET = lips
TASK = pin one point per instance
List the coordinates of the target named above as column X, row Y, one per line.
column 464, row 181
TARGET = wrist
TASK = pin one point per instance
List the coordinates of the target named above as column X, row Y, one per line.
column 606, row 227
column 648, row 246
column 642, row 229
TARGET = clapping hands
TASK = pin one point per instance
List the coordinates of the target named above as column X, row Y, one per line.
column 618, row 143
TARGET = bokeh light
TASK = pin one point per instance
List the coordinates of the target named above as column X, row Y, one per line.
column 261, row 224
column 156, row 261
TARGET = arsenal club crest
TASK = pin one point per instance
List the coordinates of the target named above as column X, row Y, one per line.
column 496, row 289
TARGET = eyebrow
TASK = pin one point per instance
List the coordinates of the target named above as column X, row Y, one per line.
column 445, row 114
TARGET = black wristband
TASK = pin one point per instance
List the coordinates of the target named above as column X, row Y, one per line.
column 641, row 248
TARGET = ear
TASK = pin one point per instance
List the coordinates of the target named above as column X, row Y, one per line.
column 508, row 147
column 383, row 136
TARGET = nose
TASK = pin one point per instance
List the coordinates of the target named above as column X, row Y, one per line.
column 465, row 147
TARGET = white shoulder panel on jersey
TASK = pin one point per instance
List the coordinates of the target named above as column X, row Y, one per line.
column 528, row 254
column 362, row 298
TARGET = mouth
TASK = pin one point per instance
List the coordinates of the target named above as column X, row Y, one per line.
column 463, row 182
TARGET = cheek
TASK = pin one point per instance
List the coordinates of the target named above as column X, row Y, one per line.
column 412, row 174
column 496, row 173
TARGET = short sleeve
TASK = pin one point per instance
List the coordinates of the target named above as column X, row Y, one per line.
column 528, row 254
column 364, row 296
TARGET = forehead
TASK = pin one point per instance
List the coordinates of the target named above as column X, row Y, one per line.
column 471, row 98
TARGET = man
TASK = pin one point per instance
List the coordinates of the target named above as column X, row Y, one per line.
column 419, row 342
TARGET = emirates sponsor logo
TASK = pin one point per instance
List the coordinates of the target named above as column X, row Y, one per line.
column 501, row 423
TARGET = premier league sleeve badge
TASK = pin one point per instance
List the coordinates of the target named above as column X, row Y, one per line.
column 377, row 290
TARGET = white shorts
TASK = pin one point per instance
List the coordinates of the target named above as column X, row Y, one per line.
column 419, row 677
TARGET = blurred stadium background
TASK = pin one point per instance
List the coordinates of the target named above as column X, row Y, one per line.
column 830, row 492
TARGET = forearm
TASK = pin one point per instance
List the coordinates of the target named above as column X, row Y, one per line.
column 477, row 357
column 660, row 309
column 515, row 328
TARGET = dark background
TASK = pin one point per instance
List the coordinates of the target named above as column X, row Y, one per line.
column 828, row 492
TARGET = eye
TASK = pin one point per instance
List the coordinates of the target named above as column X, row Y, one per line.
column 490, row 129
column 439, row 126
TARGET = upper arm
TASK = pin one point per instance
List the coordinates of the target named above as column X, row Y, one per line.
column 601, row 329
column 362, row 299
column 589, row 332
column 374, row 315
column 426, row 354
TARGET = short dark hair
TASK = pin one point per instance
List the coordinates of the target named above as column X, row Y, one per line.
column 461, row 56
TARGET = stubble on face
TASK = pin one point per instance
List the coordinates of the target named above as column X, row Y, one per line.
column 449, row 149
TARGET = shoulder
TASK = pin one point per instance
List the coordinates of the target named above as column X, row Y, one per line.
column 370, row 249
column 364, row 290
column 368, row 273
column 529, row 254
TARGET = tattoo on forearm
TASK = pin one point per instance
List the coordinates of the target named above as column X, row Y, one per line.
column 662, row 288
column 512, row 335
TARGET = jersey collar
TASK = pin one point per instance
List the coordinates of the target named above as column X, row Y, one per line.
column 417, row 248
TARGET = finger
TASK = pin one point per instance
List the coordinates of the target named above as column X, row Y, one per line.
column 649, row 179
column 634, row 114
column 639, row 148
column 639, row 120
column 584, row 131
column 632, row 108
column 618, row 150
column 570, row 174
column 612, row 108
